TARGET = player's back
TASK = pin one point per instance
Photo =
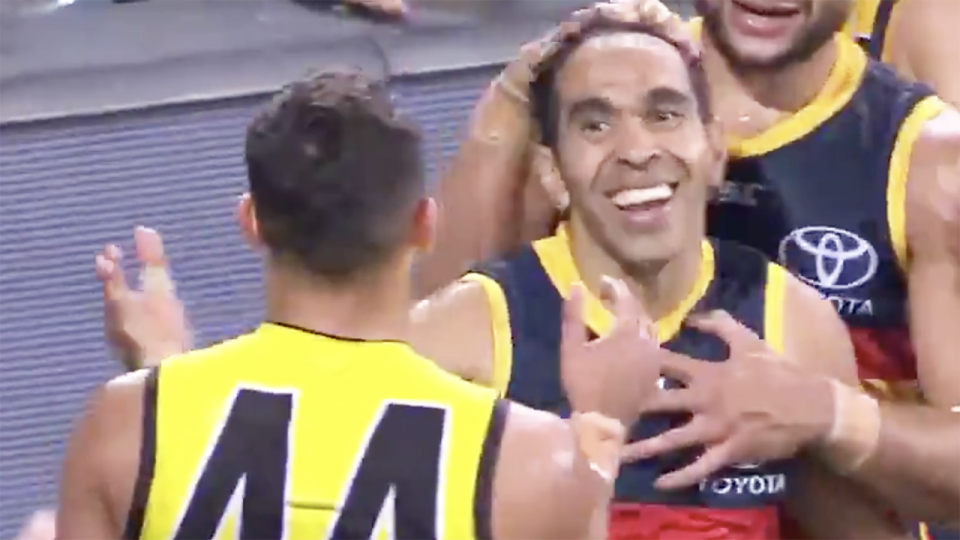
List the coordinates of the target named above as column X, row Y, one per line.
column 285, row 433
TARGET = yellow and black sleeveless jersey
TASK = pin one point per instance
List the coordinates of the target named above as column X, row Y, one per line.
column 868, row 25
column 526, row 291
column 285, row 433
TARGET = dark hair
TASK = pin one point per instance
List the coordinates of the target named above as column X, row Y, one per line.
column 334, row 174
column 543, row 96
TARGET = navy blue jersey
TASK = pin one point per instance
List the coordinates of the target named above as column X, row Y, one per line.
column 529, row 287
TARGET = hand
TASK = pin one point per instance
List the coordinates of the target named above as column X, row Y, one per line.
column 143, row 326
column 517, row 76
column 42, row 525
column 754, row 407
column 615, row 374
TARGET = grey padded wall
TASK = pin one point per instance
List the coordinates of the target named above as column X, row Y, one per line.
column 70, row 186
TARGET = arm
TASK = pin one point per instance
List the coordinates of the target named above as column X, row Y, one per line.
column 926, row 44
column 544, row 487
column 101, row 462
column 916, row 465
column 824, row 504
column 479, row 193
column 933, row 237
column 462, row 330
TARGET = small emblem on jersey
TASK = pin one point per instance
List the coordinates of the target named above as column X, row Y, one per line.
column 829, row 258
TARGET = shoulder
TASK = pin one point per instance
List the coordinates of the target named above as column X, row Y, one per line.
column 454, row 326
column 933, row 190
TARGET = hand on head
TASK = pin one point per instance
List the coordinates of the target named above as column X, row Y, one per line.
column 516, row 78
column 756, row 406
column 148, row 324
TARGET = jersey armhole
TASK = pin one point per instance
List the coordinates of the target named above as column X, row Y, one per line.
column 774, row 304
column 486, row 470
column 500, row 330
column 899, row 172
column 148, row 452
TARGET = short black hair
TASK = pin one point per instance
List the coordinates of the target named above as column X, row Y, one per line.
column 543, row 95
column 335, row 173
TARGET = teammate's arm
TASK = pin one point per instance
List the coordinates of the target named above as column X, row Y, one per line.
column 823, row 503
column 926, row 44
column 933, row 266
column 101, row 462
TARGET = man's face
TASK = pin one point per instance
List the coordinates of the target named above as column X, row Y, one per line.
column 634, row 155
column 771, row 34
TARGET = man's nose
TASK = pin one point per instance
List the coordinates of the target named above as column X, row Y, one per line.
column 636, row 146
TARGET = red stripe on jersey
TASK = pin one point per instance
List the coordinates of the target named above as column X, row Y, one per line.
column 635, row 521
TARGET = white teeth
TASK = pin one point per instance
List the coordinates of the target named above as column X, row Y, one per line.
column 638, row 196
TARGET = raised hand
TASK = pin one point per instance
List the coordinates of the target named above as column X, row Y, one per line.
column 42, row 525
column 147, row 325
column 615, row 374
column 757, row 406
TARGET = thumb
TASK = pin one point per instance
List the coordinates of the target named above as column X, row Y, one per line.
column 573, row 331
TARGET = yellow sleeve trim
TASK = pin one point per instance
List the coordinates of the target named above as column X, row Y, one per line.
column 899, row 172
column 774, row 303
column 499, row 330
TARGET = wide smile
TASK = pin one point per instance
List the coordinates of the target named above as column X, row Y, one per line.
column 645, row 207
column 764, row 19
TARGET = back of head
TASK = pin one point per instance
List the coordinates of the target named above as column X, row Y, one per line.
column 335, row 175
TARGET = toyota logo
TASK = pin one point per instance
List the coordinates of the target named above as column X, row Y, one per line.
column 828, row 257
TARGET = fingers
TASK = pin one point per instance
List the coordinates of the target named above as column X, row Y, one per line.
column 696, row 432
column 573, row 335
column 627, row 310
column 110, row 273
column 714, row 459
column 725, row 327
column 680, row 368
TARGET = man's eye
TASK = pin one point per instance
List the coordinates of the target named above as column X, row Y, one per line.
column 666, row 116
column 596, row 126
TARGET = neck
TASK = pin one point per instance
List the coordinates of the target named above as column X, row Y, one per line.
column 787, row 89
column 660, row 287
column 373, row 307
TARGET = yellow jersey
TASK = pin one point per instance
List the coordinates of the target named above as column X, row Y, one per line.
column 286, row 433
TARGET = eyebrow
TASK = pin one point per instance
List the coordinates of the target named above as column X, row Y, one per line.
column 665, row 95
column 591, row 105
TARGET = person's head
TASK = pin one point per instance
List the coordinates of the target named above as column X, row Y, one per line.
column 336, row 180
column 628, row 138
column 769, row 35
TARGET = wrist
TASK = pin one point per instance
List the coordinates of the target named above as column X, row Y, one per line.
column 601, row 440
column 854, row 432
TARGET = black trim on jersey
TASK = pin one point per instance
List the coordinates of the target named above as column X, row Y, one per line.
column 880, row 23
column 148, row 455
column 334, row 336
column 483, row 497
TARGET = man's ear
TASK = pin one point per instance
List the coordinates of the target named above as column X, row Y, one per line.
column 247, row 218
column 424, row 230
column 546, row 171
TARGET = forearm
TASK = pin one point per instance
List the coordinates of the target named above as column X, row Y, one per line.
column 480, row 196
column 915, row 464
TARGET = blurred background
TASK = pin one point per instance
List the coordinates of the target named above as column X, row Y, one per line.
column 114, row 114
